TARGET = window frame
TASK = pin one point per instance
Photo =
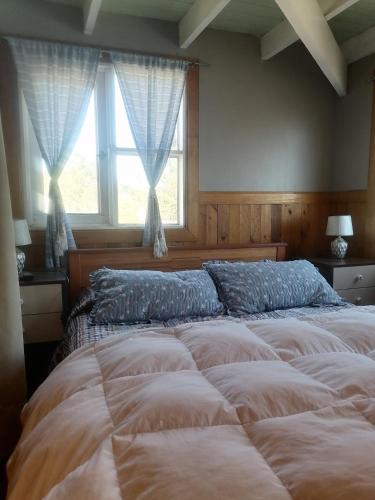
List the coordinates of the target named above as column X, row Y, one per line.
column 103, row 230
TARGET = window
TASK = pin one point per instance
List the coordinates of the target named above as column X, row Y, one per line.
column 103, row 183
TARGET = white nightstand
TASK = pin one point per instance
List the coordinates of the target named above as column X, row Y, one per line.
column 353, row 279
column 44, row 306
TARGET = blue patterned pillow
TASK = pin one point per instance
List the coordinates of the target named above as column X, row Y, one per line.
column 141, row 296
column 253, row 287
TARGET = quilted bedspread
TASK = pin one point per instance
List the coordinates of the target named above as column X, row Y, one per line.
column 273, row 410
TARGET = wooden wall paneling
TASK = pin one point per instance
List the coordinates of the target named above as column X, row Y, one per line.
column 211, row 225
column 34, row 256
column 339, row 208
column 234, row 224
column 260, row 197
column 228, row 224
column 321, row 226
column 357, row 211
column 314, row 220
column 223, row 224
column 305, row 243
column 255, row 223
column 265, row 223
column 276, row 222
column 308, row 231
column 297, row 229
column 290, row 228
column 300, row 223
column 202, row 231
column 245, row 224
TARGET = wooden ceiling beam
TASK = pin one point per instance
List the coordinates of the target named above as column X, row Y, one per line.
column 360, row 46
column 283, row 35
column 91, row 10
column 332, row 8
column 310, row 25
column 198, row 17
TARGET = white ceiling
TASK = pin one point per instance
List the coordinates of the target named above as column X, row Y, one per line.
column 337, row 32
column 254, row 17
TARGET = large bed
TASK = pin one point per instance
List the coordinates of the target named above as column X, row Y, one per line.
column 274, row 405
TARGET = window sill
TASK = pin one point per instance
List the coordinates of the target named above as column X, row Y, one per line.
column 106, row 236
column 95, row 227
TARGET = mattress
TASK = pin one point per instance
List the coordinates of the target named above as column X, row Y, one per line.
column 271, row 409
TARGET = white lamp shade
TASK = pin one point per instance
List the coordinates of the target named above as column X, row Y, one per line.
column 339, row 225
column 21, row 232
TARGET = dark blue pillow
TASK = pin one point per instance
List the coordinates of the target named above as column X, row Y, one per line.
column 252, row 287
column 141, row 296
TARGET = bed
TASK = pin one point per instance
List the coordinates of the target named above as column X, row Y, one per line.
column 276, row 406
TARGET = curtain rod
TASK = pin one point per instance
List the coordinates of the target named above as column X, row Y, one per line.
column 106, row 54
column 105, row 49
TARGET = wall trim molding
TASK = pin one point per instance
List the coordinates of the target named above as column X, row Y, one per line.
column 276, row 198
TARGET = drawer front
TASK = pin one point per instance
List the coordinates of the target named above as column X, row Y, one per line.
column 353, row 277
column 359, row 296
column 42, row 327
column 37, row 299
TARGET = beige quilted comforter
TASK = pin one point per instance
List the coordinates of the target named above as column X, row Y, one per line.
column 272, row 410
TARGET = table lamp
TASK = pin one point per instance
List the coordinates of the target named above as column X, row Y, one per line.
column 22, row 238
column 339, row 225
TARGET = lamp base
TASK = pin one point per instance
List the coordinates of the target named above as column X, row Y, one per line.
column 339, row 247
column 20, row 258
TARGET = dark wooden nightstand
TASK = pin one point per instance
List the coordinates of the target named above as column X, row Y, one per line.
column 352, row 278
column 44, row 310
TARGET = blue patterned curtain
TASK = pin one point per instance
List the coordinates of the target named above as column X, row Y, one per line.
column 152, row 89
column 57, row 81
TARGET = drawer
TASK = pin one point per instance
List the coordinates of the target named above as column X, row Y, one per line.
column 39, row 299
column 42, row 327
column 359, row 296
column 353, row 277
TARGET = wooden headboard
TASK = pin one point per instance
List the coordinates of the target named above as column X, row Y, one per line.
column 81, row 262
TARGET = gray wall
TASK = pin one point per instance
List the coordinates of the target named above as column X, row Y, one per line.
column 353, row 122
column 266, row 126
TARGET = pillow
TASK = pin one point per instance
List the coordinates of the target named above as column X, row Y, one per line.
column 252, row 287
column 140, row 296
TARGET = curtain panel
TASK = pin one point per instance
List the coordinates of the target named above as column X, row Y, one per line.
column 57, row 81
column 152, row 89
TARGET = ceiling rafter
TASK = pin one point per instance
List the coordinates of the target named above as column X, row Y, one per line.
column 283, row 35
column 359, row 46
column 91, row 10
column 309, row 23
column 198, row 17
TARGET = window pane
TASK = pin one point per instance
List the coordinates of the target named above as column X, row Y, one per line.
column 79, row 179
column 178, row 138
column 133, row 191
column 124, row 136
